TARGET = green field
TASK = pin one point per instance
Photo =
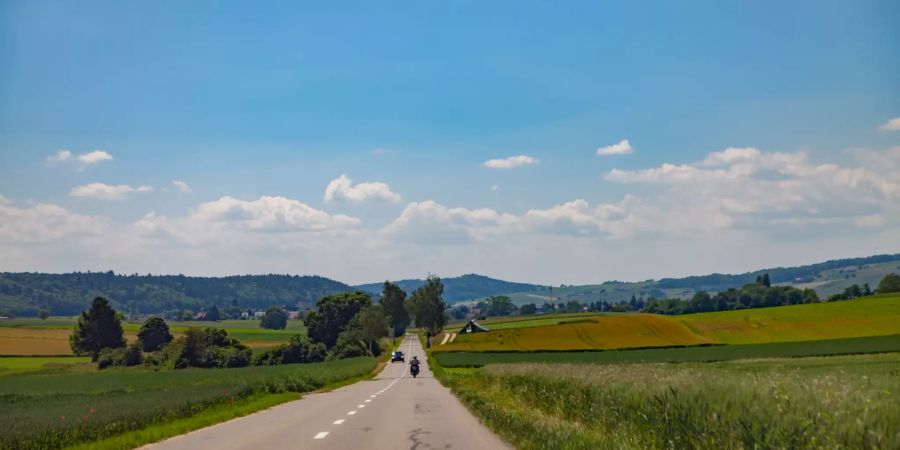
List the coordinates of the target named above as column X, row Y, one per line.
column 870, row 316
column 53, row 411
column 23, row 364
column 833, row 402
column 873, row 344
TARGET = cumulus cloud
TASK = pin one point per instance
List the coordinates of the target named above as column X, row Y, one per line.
column 4, row 200
column 495, row 188
column 45, row 222
column 104, row 191
column 342, row 189
column 623, row 147
column 83, row 160
column 181, row 186
column 891, row 125
column 749, row 187
column 511, row 163
column 434, row 223
column 62, row 155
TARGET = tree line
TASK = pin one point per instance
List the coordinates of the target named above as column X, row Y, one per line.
column 341, row 326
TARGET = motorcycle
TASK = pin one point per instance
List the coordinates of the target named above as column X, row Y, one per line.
column 414, row 370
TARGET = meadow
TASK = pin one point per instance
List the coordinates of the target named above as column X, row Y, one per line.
column 31, row 336
column 870, row 316
column 833, row 402
column 59, row 410
column 869, row 344
column 23, row 364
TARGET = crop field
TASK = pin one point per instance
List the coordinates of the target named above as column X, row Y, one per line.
column 22, row 364
column 872, row 344
column 871, row 316
column 51, row 337
column 596, row 332
column 53, row 411
column 831, row 402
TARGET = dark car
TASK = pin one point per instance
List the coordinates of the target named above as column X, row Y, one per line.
column 397, row 356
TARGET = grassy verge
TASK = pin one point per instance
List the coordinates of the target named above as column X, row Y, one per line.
column 211, row 416
column 53, row 411
column 833, row 402
column 874, row 344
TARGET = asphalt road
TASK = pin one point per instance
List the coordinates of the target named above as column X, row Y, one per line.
column 392, row 411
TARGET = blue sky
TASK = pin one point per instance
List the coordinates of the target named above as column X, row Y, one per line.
column 244, row 102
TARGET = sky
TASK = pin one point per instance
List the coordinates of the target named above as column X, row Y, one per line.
column 542, row 142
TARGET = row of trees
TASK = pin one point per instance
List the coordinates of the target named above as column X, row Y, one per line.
column 342, row 326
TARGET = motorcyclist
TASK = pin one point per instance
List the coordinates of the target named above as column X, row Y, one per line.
column 414, row 366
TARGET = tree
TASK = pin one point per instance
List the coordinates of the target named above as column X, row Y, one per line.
column 372, row 324
column 43, row 313
column 154, row 334
column 213, row 314
column 499, row 305
column 275, row 319
column 97, row 328
column 765, row 280
column 332, row 315
column 427, row 305
column 890, row 283
column 393, row 300
column 529, row 308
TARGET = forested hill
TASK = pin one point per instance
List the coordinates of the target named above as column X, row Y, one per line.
column 465, row 287
column 70, row 293
column 799, row 274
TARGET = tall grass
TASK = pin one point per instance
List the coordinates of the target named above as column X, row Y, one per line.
column 836, row 402
column 54, row 411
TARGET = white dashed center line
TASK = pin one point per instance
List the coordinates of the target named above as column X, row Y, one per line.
column 351, row 413
column 338, row 422
column 368, row 400
column 321, row 435
column 360, row 406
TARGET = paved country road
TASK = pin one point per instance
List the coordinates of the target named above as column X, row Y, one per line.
column 392, row 411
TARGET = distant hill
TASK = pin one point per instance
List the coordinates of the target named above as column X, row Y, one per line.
column 826, row 278
column 465, row 287
column 70, row 293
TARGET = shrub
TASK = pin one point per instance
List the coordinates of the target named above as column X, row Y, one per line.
column 154, row 334
column 209, row 347
column 122, row 356
column 299, row 350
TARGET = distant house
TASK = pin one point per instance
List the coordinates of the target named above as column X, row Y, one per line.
column 245, row 315
column 473, row 327
column 293, row 315
column 200, row 315
column 259, row 314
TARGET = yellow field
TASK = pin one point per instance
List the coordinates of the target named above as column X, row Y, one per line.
column 55, row 341
column 872, row 316
column 597, row 332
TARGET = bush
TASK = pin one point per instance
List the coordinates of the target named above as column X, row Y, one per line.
column 209, row 347
column 890, row 283
column 299, row 351
column 122, row 356
column 275, row 319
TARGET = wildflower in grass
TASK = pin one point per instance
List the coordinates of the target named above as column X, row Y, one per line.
column 92, row 410
column 62, row 417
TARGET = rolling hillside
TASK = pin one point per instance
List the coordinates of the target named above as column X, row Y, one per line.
column 70, row 293
column 870, row 316
column 465, row 287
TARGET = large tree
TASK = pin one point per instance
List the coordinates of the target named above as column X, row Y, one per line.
column 332, row 314
column 97, row 328
column 427, row 305
column 393, row 300
column 154, row 334
column 890, row 283
column 275, row 319
column 500, row 305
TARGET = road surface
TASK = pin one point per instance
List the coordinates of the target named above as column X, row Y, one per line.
column 392, row 411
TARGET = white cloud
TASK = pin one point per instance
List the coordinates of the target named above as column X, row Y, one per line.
column 93, row 157
column 495, row 188
column 433, row 223
column 83, row 160
column 342, row 189
column 4, row 200
column 45, row 222
column 62, row 155
column 891, row 125
column 623, row 147
column 181, row 186
column 269, row 214
column 511, row 163
column 104, row 191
